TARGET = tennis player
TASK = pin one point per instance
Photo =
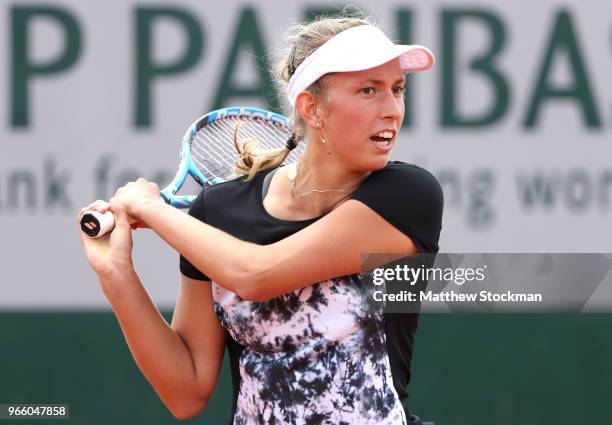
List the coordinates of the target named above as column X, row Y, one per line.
column 270, row 261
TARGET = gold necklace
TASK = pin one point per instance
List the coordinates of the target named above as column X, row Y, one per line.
column 292, row 175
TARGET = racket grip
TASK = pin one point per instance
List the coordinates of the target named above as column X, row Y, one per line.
column 95, row 224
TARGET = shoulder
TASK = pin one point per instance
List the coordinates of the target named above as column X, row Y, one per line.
column 400, row 180
column 410, row 198
column 402, row 173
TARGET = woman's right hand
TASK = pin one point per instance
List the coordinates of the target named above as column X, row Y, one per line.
column 111, row 254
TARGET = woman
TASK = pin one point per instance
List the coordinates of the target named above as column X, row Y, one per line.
column 282, row 248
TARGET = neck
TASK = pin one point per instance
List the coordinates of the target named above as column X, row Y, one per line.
column 323, row 182
column 319, row 172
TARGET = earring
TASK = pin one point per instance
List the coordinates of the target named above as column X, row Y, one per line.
column 322, row 139
column 319, row 126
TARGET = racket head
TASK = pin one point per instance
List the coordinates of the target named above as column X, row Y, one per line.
column 207, row 150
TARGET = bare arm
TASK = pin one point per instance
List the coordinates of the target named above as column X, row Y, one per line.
column 182, row 361
column 258, row 272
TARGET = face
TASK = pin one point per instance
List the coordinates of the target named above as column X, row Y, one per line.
column 362, row 113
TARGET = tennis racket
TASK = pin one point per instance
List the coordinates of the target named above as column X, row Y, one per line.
column 208, row 155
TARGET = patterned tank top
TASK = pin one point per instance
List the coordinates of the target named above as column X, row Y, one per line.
column 314, row 356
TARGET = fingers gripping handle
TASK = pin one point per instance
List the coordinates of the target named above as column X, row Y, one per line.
column 95, row 224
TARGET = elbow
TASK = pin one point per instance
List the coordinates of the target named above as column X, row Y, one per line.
column 252, row 293
column 253, row 283
column 252, row 289
column 183, row 411
column 183, row 405
column 183, row 415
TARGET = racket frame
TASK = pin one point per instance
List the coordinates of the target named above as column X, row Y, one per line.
column 187, row 165
column 96, row 224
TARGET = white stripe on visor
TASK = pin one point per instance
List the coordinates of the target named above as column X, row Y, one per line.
column 355, row 49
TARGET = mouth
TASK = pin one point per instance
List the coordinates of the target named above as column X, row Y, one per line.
column 383, row 139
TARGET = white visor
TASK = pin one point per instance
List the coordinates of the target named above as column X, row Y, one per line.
column 355, row 49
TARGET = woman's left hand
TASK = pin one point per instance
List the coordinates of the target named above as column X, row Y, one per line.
column 136, row 196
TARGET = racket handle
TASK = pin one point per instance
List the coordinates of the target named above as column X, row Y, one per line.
column 95, row 224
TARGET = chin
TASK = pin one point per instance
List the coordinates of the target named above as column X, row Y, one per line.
column 375, row 163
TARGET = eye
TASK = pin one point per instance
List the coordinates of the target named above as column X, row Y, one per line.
column 398, row 91
column 368, row 91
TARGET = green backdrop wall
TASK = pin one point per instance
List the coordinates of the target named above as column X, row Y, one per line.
column 487, row 369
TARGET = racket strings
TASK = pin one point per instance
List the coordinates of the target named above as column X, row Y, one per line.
column 211, row 159
column 213, row 150
column 209, row 168
column 225, row 133
column 261, row 131
column 267, row 136
column 272, row 136
column 219, row 153
column 211, row 153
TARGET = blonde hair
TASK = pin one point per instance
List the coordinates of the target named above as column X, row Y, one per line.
column 301, row 41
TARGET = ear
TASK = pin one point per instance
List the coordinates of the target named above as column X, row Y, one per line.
column 307, row 107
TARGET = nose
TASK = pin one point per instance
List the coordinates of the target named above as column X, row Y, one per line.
column 392, row 105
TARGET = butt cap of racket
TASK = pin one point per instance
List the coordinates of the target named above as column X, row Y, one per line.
column 95, row 224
